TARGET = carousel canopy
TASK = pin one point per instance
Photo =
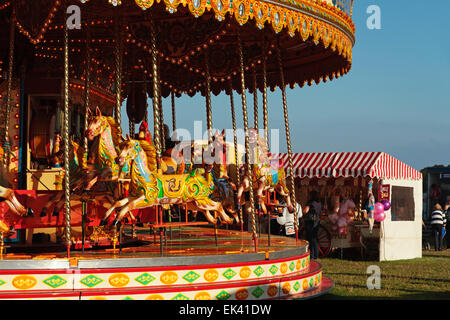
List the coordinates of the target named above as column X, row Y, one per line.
column 315, row 38
column 348, row 164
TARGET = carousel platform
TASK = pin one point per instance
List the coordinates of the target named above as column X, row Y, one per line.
column 191, row 263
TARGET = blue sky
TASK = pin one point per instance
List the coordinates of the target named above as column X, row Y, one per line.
column 395, row 99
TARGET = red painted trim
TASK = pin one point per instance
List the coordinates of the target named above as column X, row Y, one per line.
column 37, row 271
column 41, row 291
column 200, row 266
column 39, row 295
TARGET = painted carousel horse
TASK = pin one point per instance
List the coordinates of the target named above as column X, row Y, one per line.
column 105, row 149
column 267, row 175
column 224, row 188
column 7, row 194
column 101, row 165
column 150, row 187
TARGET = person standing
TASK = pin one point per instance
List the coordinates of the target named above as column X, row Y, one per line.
column 447, row 223
column 311, row 216
column 287, row 220
column 437, row 224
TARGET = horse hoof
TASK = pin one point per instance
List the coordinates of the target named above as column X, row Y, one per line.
column 43, row 213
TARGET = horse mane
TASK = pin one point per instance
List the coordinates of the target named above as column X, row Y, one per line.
column 150, row 152
column 116, row 131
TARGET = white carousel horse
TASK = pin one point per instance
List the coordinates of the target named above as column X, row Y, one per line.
column 266, row 175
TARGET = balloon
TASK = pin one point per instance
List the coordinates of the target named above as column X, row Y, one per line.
column 386, row 204
column 379, row 207
column 379, row 216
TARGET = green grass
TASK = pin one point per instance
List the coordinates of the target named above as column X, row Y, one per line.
column 426, row 278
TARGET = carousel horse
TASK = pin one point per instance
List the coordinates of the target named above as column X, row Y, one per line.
column 104, row 151
column 7, row 194
column 267, row 175
column 100, row 167
column 150, row 187
column 224, row 186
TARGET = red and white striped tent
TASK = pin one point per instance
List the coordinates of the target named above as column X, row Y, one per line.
column 348, row 164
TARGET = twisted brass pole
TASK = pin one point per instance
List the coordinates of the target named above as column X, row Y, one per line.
column 208, row 98
column 247, row 143
column 131, row 128
column 233, row 119
column 156, row 133
column 161, row 113
column 255, row 101
column 265, row 112
column 236, row 160
column 87, row 93
column 6, row 144
column 130, row 121
column 288, row 137
column 174, row 120
column 145, row 94
column 66, row 139
column 118, row 63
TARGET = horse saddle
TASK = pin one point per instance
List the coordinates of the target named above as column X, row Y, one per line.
column 173, row 184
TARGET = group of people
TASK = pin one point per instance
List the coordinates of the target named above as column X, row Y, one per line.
column 440, row 224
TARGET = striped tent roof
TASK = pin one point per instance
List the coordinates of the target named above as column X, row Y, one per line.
column 348, row 164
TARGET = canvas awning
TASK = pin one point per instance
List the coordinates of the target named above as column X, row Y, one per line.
column 348, row 164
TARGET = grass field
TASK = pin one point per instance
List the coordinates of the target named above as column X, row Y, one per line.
column 424, row 278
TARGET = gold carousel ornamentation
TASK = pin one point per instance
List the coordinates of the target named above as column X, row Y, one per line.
column 145, row 4
column 171, row 5
column 260, row 13
column 197, row 7
column 220, row 7
column 304, row 16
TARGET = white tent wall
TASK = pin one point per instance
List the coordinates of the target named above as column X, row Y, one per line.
column 402, row 239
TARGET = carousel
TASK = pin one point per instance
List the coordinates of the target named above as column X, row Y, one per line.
column 91, row 213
